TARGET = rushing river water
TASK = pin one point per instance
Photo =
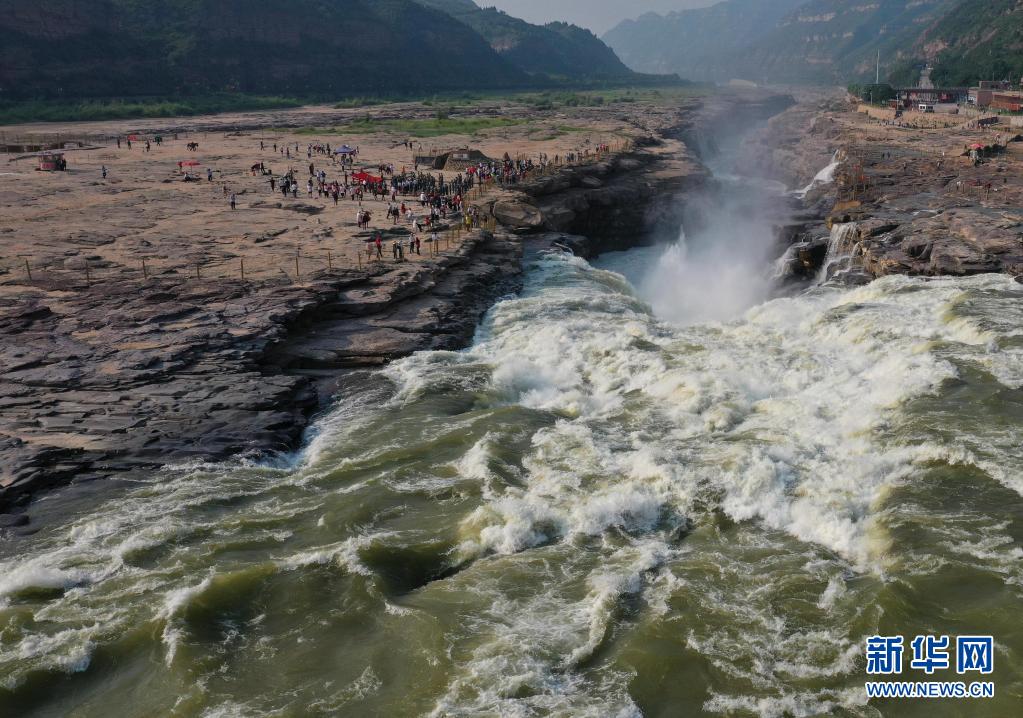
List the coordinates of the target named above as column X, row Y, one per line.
column 627, row 498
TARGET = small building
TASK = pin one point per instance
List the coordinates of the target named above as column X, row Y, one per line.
column 52, row 161
column 979, row 97
column 913, row 96
column 1007, row 101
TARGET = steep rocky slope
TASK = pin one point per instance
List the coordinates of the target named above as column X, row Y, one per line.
column 979, row 39
column 305, row 48
column 556, row 49
column 701, row 44
column 73, row 48
column 782, row 41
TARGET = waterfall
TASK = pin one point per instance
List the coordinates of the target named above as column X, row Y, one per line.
column 839, row 249
column 783, row 265
column 825, row 176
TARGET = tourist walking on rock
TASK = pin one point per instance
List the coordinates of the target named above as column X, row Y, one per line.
column 104, row 171
column 233, row 200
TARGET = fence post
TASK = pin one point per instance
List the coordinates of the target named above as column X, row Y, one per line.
column 28, row 269
column 197, row 271
column 88, row 279
column 145, row 271
column 330, row 264
column 242, row 260
column 298, row 275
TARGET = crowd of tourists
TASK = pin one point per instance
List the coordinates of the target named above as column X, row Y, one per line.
column 420, row 200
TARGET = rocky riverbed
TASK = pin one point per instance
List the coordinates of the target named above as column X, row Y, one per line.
column 117, row 365
column 112, row 367
column 900, row 199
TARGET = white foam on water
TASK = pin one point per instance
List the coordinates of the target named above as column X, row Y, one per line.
column 624, row 577
column 801, row 705
column 779, row 416
column 174, row 602
column 367, row 684
column 344, row 554
column 835, row 590
column 528, row 647
column 788, row 402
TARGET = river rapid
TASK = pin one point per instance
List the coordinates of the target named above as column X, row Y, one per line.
column 647, row 489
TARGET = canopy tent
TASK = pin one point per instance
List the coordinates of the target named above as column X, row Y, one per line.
column 344, row 150
column 366, row 177
column 189, row 163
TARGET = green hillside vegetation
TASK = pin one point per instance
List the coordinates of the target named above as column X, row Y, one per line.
column 558, row 50
column 63, row 111
column 827, row 41
column 111, row 48
column 984, row 40
column 101, row 59
column 842, row 39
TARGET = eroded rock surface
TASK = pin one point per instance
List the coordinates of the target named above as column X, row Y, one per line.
column 130, row 374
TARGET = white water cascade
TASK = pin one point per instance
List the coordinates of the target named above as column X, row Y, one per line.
column 840, row 249
column 825, row 176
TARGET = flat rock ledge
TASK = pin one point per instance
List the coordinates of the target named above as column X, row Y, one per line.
column 125, row 375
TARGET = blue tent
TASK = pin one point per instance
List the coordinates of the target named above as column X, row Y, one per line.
column 344, row 150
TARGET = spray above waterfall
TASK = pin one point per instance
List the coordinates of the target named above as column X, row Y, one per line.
column 720, row 264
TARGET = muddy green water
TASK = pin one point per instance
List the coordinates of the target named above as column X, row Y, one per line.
column 593, row 511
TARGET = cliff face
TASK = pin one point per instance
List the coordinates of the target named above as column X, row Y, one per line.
column 782, row 41
column 74, row 48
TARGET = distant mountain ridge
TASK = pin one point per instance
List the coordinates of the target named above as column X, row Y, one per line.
column 823, row 41
column 557, row 49
column 703, row 43
column 300, row 48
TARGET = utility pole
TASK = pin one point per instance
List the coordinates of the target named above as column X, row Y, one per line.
column 877, row 80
